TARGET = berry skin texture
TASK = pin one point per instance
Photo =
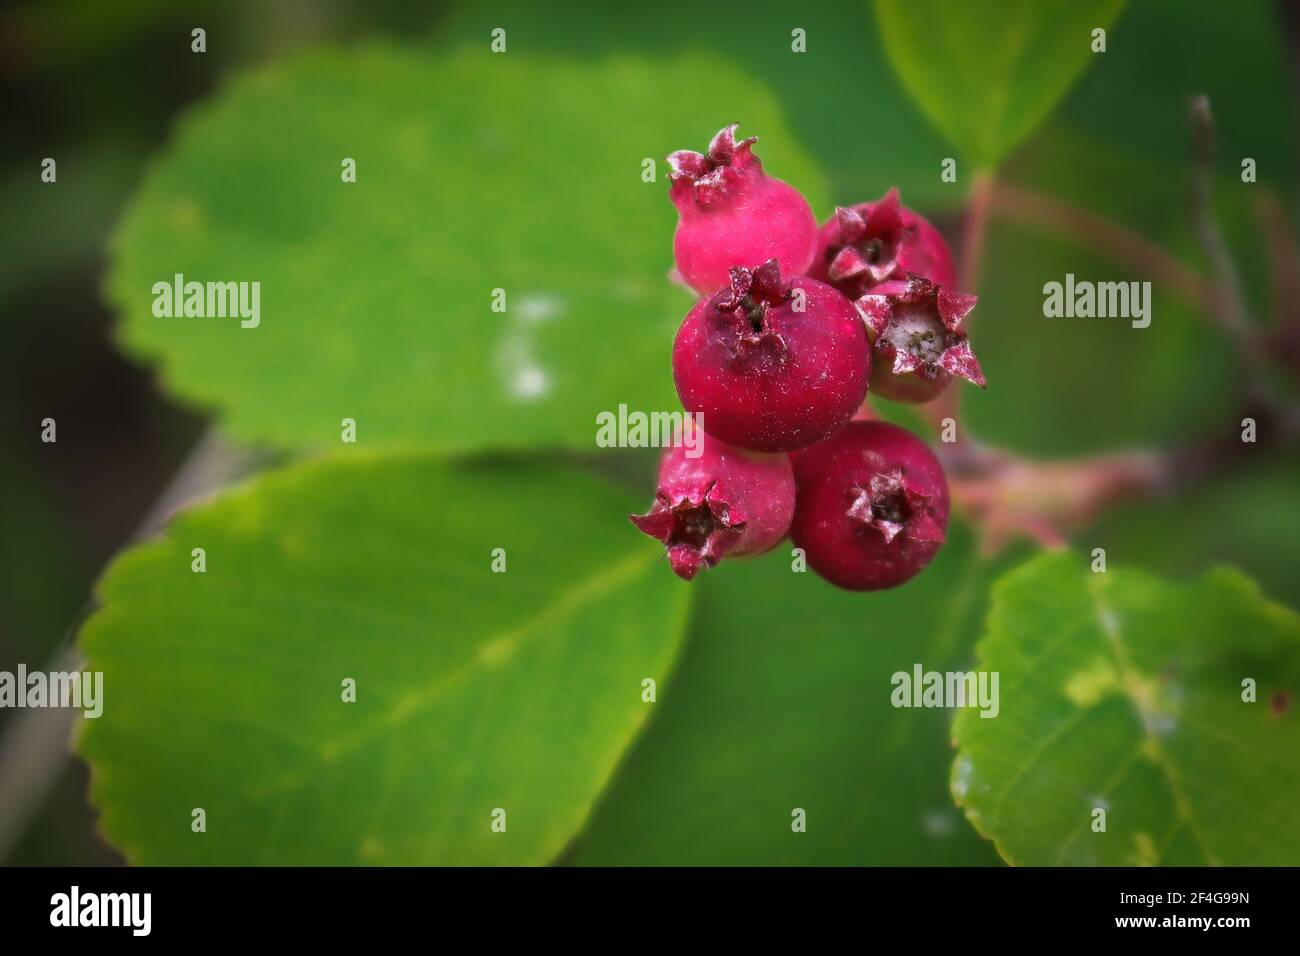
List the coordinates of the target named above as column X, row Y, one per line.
column 773, row 366
column 917, row 340
column 731, row 213
column 724, row 503
column 873, row 242
column 872, row 506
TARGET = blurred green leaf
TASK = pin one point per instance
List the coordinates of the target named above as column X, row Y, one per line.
column 1122, row 691
column 474, row 690
column 1149, row 196
column 841, row 99
column 1068, row 386
column 782, row 701
column 1162, row 53
column 1255, row 519
column 1099, row 383
column 986, row 74
column 474, row 172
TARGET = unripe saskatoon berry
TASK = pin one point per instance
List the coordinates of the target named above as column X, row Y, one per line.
column 917, row 340
column 724, row 503
column 873, row 242
column 872, row 506
column 733, row 214
column 773, row 366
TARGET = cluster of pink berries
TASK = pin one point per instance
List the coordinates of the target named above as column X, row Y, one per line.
column 777, row 357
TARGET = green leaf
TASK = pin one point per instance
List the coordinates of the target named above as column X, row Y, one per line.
column 843, row 59
column 1256, row 526
column 986, row 74
column 782, row 701
column 475, row 690
column 475, row 172
column 1096, row 383
column 1124, row 692
column 1154, row 63
column 1146, row 193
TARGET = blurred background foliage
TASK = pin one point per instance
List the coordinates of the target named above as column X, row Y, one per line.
column 100, row 86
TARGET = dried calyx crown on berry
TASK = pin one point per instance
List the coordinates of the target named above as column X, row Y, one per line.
column 871, row 506
column 873, row 242
column 724, row 502
column 918, row 341
column 772, row 365
column 731, row 213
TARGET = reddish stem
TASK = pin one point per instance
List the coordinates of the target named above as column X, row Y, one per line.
column 975, row 230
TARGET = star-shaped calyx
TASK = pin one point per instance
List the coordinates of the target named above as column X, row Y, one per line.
column 919, row 330
column 890, row 505
column 697, row 529
column 869, row 241
column 752, row 293
column 711, row 177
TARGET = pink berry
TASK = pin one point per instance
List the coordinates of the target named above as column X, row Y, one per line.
column 730, row 213
column 917, row 339
column 872, row 242
column 724, row 503
column 872, row 506
column 773, row 366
